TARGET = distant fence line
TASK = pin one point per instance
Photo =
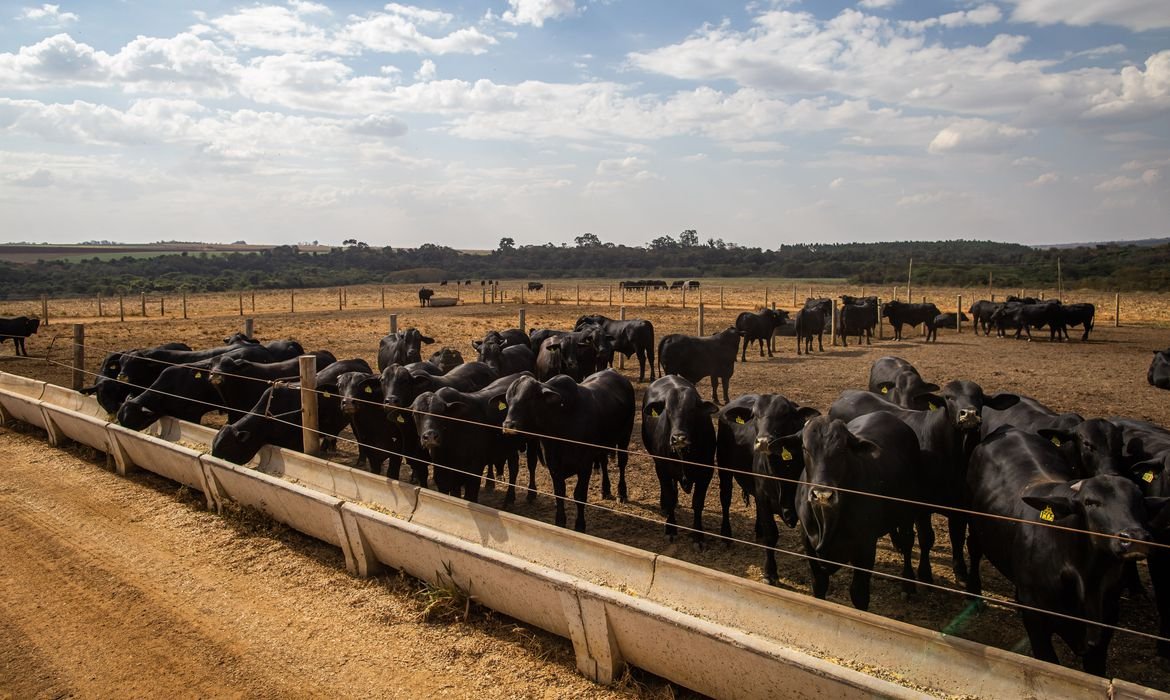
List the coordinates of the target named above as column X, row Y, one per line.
column 734, row 296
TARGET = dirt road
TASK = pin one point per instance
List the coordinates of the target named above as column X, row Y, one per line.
column 118, row 587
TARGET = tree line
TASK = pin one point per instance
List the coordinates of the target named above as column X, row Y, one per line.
column 685, row 256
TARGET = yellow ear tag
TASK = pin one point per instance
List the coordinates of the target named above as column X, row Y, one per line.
column 1047, row 515
column 502, row 406
column 885, row 389
column 400, row 419
column 1148, row 477
column 369, row 390
column 653, row 413
column 739, row 419
column 785, row 454
column 1056, row 441
column 932, row 407
column 199, row 375
column 327, row 394
column 112, row 367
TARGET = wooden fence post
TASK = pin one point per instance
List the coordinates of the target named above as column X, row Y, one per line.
column 881, row 330
column 523, row 321
column 1117, row 310
column 393, row 324
column 959, row 314
column 184, row 305
column 621, row 356
column 701, row 318
column 646, row 297
column 383, row 297
column 122, row 308
column 340, row 299
column 241, row 303
column 833, row 322
column 78, row 356
column 292, row 302
column 578, row 295
column 99, row 304
column 794, row 297
column 249, row 327
column 253, row 302
column 610, row 296
column 44, row 309
column 720, row 298
column 765, row 297
column 162, row 306
column 309, row 435
column 143, row 298
column 684, row 295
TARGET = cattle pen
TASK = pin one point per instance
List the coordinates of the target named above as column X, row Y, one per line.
column 353, row 329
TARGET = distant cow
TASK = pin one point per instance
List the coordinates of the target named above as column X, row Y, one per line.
column 810, row 321
column 18, row 329
column 424, row 296
column 1159, row 373
column 401, row 348
column 949, row 320
column 535, row 286
column 759, row 327
column 901, row 313
column 630, row 337
column 858, row 316
column 507, row 361
column 693, row 357
column 1077, row 315
column 1025, row 316
column 981, row 312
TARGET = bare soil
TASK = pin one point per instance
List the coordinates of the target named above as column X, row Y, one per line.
column 1102, row 377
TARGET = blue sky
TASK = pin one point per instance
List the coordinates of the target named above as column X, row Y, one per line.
column 1035, row 121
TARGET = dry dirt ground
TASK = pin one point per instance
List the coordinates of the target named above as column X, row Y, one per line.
column 1103, row 377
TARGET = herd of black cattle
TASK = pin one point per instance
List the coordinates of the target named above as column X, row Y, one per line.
column 878, row 463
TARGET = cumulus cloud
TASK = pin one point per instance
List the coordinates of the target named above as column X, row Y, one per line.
column 47, row 14
column 976, row 135
column 1045, row 179
column 877, row 4
column 277, row 28
column 981, row 15
column 40, row 177
column 537, row 12
column 397, row 30
column 1138, row 15
column 1122, row 182
column 837, row 183
column 1140, row 92
column 426, row 71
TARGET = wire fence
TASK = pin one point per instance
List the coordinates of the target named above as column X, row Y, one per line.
column 479, row 474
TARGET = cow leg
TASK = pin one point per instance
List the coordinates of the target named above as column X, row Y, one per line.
column 698, row 498
column 471, row 486
column 771, row 343
column 559, row 493
column 602, row 463
column 667, row 500
column 744, row 342
column 925, row 544
column 725, row 487
column 1159, row 562
column 859, row 586
column 761, row 341
column 650, row 359
column 714, row 389
column 1039, row 635
column 532, row 453
column 491, row 473
column 623, row 458
column 957, row 528
column 580, row 495
column 975, row 552
column 513, row 472
column 768, row 535
column 726, row 381
column 820, row 342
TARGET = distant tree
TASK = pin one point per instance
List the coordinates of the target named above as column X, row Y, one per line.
column 689, row 238
column 587, row 240
column 662, row 243
column 507, row 243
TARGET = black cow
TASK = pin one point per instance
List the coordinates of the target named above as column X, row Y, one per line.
column 981, row 312
column 1077, row 315
column 759, row 327
column 1025, row 316
column 18, row 329
column 506, row 361
column 424, row 296
column 858, row 316
column 565, row 353
column 946, row 436
column 902, row 313
column 1159, row 373
column 240, row 381
column 445, row 359
column 748, row 449
column 140, row 368
column 1031, row 415
column 630, row 337
column 401, row 348
column 1013, row 299
column 949, row 320
column 535, row 286
column 537, row 336
column 676, row 425
column 461, row 433
column 549, row 360
column 276, row 417
column 361, row 402
column 506, row 338
column 694, row 358
column 873, row 454
column 1090, row 447
column 898, row 381
column 400, row 387
column 809, row 322
column 594, row 417
column 1023, row 477
column 112, row 366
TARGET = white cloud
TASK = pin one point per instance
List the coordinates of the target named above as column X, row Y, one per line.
column 276, row 28
column 50, row 15
column 1045, row 179
column 1029, row 162
column 39, row 177
column 976, row 135
column 397, row 31
column 981, row 15
column 837, row 183
column 920, row 199
column 756, row 147
column 1140, row 93
column 426, row 71
column 1121, row 182
column 1138, row 15
column 877, row 4
column 695, row 158
column 420, row 15
column 537, row 12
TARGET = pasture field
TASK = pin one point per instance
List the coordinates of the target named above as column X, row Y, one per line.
column 1105, row 376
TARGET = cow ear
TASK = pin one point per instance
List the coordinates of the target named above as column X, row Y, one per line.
column 1056, row 437
column 498, row 404
column 653, row 409
column 708, row 408
column 737, row 415
column 551, row 398
column 884, row 388
column 807, row 413
column 790, row 448
column 1147, row 471
column 426, row 340
column 243, row 435
column 1001, row 402
column 864, row 448
column 476, row 343
column 1052, row 499
column 930, row 402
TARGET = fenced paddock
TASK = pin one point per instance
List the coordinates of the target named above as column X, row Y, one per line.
column 618, row 605
column 1105, row 376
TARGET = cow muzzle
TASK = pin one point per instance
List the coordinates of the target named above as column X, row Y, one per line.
column 509, row 427
column 1135, row 545
column 763, row 445
column 679, row 442
column 216, row 378
column 429, row 439
column 969, row 418
column 822, row 497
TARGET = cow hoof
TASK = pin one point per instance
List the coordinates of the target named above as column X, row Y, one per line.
column 772, row 580
column 606, row 495
column 530, row 497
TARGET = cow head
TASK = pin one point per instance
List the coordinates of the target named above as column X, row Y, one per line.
column 1093, row 447
column 447, row 359
column 532, row 404
column 234, row 445
column 965, row 401
column 1107, row 505
column 673, row 403
column 134, row 416
column 355, row 388
column 832, row 455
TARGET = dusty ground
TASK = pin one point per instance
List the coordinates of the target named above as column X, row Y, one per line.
column 1103, row 377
